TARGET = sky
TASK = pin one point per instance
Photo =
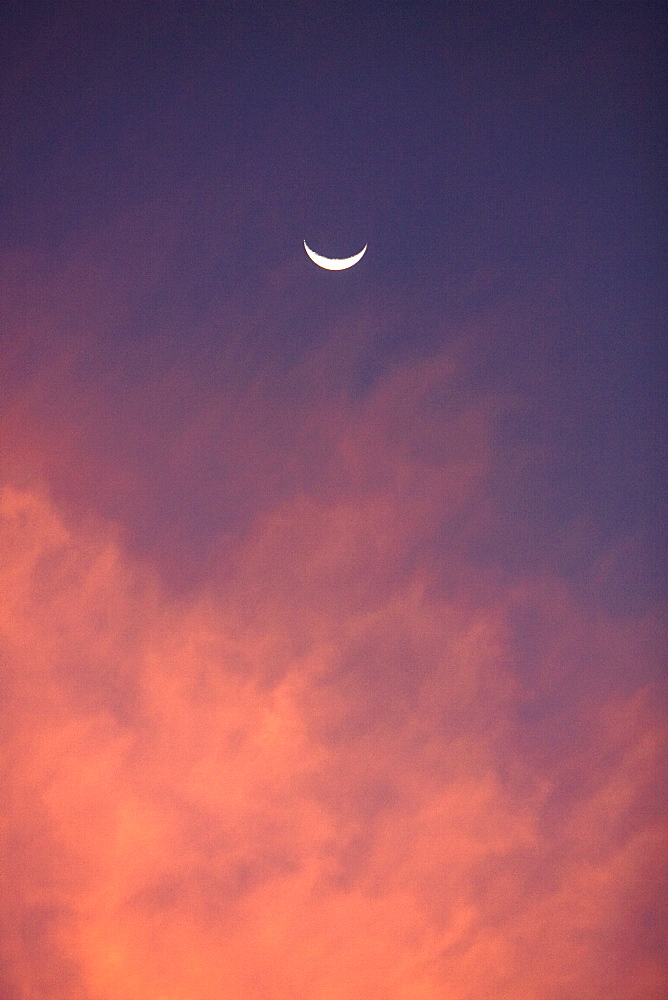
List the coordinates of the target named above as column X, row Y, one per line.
column 332, row 604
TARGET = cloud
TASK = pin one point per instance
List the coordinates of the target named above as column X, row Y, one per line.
column 340, row 766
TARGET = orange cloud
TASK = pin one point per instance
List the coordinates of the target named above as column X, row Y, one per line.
column 347, row 762
column 307, row 783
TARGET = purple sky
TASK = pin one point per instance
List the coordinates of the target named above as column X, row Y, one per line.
column 333, row 604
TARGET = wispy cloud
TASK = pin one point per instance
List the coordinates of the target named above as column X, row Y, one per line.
column 330, row 770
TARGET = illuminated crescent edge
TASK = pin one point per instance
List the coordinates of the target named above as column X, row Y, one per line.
column 333, row 263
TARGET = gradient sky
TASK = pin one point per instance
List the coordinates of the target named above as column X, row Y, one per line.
column 332, row 605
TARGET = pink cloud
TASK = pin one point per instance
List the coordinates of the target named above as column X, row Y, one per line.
column 341, row 759
column 312, row 778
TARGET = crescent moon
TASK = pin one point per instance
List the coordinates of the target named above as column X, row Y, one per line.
column 333, row 263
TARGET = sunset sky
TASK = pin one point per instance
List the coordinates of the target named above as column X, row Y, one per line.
column 332, row 604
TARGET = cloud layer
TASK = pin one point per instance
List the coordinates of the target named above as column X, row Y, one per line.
column 349, row 762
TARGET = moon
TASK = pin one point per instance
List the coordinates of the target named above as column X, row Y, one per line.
column 333, row 263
